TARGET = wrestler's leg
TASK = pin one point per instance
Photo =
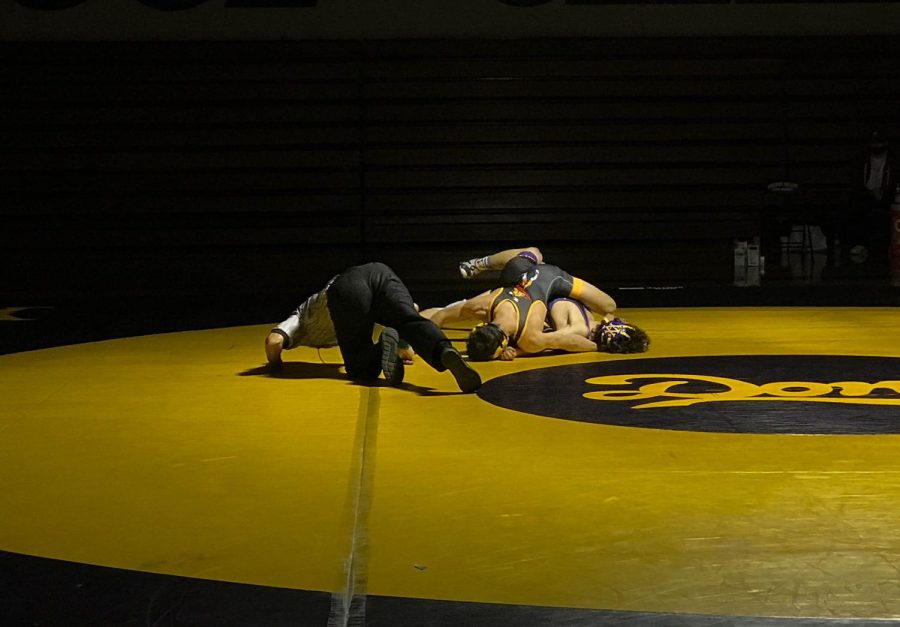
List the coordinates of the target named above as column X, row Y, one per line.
column 515, row 268
column 593, row 297
column 566, row 315
column 473, row 267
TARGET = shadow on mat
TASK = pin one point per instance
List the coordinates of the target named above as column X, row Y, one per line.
column 297, row 370
column 312, row 370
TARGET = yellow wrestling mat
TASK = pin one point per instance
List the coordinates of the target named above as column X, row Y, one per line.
column 178, row 454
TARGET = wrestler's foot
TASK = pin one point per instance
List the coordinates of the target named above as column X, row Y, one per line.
column 391, row 364
column 473, row 267
column 466, row 377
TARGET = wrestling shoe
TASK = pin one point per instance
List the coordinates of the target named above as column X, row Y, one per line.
column 391, row 364
column 466, row 377
column 473, row 267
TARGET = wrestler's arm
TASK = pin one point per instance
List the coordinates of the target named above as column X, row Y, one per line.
column 472, row 309
column 407, row 354
column 274, row 346
column 567, row 341
column 535, row 342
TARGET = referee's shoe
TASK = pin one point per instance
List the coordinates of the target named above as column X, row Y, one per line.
column 391, row 364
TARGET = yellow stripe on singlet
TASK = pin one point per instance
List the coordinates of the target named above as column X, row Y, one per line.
column 495, row 303
column 577, row 287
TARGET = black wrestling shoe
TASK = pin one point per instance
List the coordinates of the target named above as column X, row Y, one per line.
column 466, row 377
column 391, row 364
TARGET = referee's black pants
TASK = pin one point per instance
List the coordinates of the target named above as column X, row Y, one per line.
column 372, row 293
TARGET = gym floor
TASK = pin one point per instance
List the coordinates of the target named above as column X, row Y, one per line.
column 744, row 471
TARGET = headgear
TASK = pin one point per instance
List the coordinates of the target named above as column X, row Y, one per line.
column 486, row 342
column 618, row 336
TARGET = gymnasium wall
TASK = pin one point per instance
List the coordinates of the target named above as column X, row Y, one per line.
column 274, row 20
column 263, row 167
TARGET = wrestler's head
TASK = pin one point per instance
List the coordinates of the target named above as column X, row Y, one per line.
column 618, row 336
column 486, row 342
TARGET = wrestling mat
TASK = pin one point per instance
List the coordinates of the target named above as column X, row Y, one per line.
column 744, row 471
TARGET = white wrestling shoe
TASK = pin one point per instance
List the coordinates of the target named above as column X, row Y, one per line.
column 473, row 267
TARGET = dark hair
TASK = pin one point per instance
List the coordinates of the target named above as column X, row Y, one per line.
column 484, row 342
column 618, row 336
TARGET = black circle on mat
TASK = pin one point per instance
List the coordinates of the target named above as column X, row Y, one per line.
column 789, row 394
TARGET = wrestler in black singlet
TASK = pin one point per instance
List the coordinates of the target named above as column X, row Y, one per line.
column 538, row 283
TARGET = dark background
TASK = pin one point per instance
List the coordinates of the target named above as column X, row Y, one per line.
column 253, row 171
column 159, row 185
